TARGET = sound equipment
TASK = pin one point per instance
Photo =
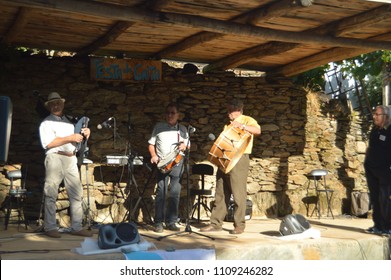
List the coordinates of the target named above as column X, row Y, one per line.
column 117, row 235
column 123, row 160
column 231, row 210
column 293, row 224
column 5, row 127
column 228, row 148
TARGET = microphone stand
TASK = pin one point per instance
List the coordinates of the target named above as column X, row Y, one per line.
column 186, row 164
column 132, row 182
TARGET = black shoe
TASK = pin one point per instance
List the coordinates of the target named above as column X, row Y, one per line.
column 172, row 227
column 158, row 228
column 374, row 230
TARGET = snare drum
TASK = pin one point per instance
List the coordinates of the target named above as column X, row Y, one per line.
column 172, row 159
column 229, row 147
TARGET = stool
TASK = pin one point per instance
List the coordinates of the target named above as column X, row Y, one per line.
column 317, row 175
column 201, row 169
column 16, row 196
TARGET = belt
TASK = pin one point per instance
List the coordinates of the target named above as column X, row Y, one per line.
column 68, row 154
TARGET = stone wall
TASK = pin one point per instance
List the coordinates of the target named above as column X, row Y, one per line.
column 301, row 131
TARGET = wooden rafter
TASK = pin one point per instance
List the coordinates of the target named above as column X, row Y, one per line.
column 118, row 28
column 340, row 27
column 261, row 14
column 191, row 21
column 322, row 58
column 17, row 26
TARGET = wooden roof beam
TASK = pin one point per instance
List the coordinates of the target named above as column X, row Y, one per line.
column 322, row 58
column 339, row 27
column 260, row 14
column 117, row 12
column 117, row 29
column 17, row 26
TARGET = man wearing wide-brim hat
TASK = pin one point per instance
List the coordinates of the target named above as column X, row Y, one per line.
column 59, row 140
column 53, row 96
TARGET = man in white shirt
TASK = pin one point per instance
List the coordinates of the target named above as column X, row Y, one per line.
column 168, row 139
column 59, row 140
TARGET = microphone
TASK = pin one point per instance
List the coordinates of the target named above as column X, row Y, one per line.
column 105, row 124
column 211, row 137
column 192, row 129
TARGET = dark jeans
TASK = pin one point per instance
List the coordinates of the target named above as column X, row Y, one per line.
column 379, row 185
column 168, row 185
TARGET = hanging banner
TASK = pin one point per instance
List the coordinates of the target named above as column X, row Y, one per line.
column 112, row 69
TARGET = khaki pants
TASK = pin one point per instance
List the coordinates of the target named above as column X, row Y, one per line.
column 235, row 183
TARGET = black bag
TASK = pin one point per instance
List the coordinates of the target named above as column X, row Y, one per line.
column 360, row 204
column 230, row 215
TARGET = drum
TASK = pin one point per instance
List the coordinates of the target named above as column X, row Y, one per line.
column 165, row 165
column 229, row 147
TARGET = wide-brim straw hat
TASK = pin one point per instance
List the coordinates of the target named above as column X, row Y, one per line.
column 53, row 96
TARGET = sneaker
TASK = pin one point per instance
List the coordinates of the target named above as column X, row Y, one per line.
column 158, row 228
column 53, row 233
column 83, row 232
column 374, row 230
column 172, row 227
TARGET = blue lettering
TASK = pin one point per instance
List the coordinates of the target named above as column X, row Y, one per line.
column 150, row 73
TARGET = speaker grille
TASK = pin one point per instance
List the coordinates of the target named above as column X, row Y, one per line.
column 116, row 235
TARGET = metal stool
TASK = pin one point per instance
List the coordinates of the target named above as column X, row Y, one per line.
column 317, row 175
column 16, row 196
column 201, row 169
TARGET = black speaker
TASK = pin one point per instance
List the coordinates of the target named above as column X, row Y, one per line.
column 293, row 224
column 5, row 127
column 117, row 235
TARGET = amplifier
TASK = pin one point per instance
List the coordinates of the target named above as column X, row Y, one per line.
column 123, row 160
column 116, row 160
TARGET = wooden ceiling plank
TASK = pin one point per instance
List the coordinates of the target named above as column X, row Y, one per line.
column 356, row 22
column 260, row 14
column 119, row 28
column 322, row 58
column 191, row 21
column 339, row 27
column 115, row 31
column 240, row 58
column 17, row 26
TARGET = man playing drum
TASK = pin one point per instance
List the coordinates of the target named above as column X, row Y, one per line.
column 235, row 181
column 168, row 141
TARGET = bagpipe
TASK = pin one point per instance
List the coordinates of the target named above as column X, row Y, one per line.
column 81, row 148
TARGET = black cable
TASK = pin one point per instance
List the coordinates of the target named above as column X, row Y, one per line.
column 33, row 251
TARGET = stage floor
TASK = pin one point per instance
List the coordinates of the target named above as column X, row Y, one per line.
column 342, row 238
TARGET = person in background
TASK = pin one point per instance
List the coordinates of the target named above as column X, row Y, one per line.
column 377, row 166
column 59, row 140
column 168, row 139
column 235, row 181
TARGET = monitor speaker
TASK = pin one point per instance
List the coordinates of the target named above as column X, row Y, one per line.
column 293, row 224
column 5, row 127
column 117, row 235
